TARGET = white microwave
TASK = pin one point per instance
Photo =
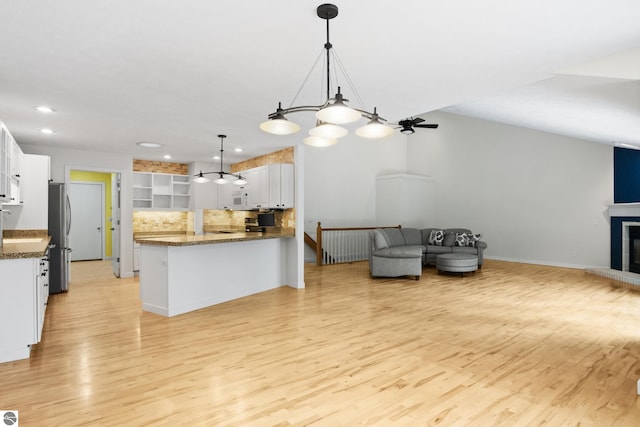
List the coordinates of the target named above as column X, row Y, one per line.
column 240, row 198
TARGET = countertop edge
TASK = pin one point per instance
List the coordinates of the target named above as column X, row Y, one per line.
column 210, row 239
column 29, row 250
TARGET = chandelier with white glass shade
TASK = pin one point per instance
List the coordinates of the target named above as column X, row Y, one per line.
column 333, row 112
column 223, row 177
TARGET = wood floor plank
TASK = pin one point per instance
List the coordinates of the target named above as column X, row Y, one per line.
column 512, row 344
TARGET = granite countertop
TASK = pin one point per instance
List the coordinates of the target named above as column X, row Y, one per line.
column 24, row 247
column 212, row 238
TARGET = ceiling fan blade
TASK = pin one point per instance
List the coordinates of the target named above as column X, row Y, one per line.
column 429, row 126
column 417, row 120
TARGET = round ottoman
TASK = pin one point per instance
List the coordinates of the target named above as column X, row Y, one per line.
column 457, row 263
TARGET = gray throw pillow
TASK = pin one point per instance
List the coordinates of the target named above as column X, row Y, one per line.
column 449, row 239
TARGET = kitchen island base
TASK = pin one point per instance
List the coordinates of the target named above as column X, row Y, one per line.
column 179, row 279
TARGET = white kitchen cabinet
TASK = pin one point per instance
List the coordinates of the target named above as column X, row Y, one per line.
column 24, row 293
column 161, row 191
column 5, row 176
column 16, row 160
column 270, row 186
column 225, row 196
column 258, row 186
column 253, row 182
column 42, row 291
column 10, row 168
column 33, row 213
column 281, row 194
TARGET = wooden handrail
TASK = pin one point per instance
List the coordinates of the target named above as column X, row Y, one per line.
column 309, row 241
column 356, row 228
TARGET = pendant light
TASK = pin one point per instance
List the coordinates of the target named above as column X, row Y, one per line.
column 374, row 129
column 333, row 112
column 201, row 178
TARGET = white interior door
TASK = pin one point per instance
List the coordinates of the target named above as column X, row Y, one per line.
column 87, row 220
column 115, row 223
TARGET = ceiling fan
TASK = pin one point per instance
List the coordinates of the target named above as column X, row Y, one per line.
column 407, row 125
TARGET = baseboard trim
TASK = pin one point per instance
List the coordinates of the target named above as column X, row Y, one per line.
column 546, row 263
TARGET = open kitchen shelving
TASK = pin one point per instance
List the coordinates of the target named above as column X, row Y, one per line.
column 160, row 191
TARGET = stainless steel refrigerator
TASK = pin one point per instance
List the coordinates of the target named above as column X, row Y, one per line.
column 59, row 226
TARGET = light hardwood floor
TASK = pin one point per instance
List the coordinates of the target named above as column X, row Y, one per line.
column 512, row 345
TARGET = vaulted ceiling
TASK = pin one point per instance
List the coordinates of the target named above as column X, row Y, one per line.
column 179, row 73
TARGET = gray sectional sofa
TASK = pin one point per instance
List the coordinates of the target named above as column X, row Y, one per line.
column 399, row 252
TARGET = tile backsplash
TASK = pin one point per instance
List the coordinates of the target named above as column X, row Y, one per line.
column 212, row 219
column 215, row 219
column 160, row 221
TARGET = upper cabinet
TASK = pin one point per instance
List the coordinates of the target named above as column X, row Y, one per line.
column 258, row 185
column 34, row 191
column 5, row 183
column 11, row 159
column 160, row 191
column 281, row 194
column 268, row 187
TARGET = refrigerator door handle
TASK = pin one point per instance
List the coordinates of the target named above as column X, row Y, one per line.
column 68, row 215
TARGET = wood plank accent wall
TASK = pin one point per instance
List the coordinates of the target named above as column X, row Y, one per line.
column 282, row 156
column 160, row 167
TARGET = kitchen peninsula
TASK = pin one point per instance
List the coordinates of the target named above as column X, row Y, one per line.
column 182, row 273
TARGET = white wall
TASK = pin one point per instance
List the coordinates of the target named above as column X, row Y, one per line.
column 536, row 197
column 339, row 187
column 62, row 159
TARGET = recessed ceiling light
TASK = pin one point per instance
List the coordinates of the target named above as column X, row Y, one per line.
column 46, row 131
column 167, row 156
column 238, row 150
column 149, row 144
column 216, row 157
column 44, row 109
